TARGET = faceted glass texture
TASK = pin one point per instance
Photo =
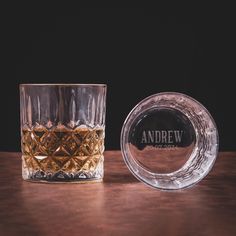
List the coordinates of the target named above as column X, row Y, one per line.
column 169, row 141
column 62, row 132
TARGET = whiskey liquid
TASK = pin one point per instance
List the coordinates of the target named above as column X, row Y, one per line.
column 61, row 154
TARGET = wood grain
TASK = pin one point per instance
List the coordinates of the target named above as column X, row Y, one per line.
column 120, row 205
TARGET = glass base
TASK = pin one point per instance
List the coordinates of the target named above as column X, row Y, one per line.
column 75, row 169
column 77, row 181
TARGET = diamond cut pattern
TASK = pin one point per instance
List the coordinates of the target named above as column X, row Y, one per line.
column 61, row 153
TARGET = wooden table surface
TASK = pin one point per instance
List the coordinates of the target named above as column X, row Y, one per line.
column 120, row 205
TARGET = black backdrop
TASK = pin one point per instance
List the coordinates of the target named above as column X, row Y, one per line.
column 135, row 52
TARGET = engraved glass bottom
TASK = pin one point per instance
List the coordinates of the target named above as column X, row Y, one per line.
column 62, row 155
column 169, row 141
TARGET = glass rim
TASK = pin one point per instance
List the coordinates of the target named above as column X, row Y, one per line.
column 63, row 84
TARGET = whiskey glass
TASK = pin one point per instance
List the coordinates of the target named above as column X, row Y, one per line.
column 169, row 141
column 62, row 132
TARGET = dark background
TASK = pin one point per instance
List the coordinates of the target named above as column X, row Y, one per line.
column 136, row 52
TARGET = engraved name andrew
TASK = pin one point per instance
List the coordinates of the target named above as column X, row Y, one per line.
column 162, row 136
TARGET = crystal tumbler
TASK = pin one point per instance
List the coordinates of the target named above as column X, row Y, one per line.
column 62, row 132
